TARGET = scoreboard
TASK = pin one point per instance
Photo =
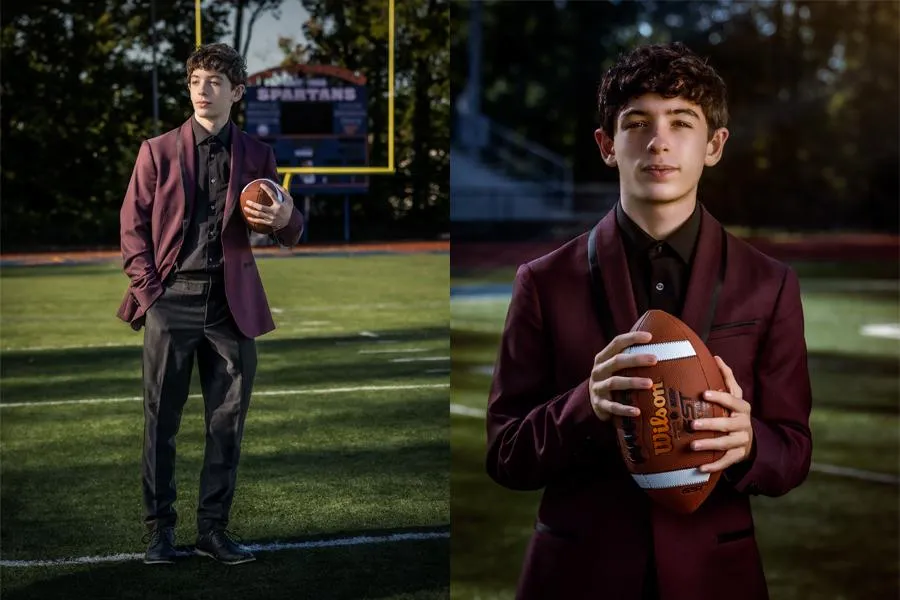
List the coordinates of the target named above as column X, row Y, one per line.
column 312, row 116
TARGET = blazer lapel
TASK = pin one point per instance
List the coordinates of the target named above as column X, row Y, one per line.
column 187, row 158
column 705, row 281
column 614, row 272
column 237, row 162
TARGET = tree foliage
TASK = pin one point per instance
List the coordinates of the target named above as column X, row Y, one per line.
column 415, row 201
column 243, row 34
column 77, row 101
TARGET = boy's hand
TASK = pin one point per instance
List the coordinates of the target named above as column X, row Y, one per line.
column 604, row 381
column 739, row 441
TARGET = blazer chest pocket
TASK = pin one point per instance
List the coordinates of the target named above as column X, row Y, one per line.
column 737, row 343
column 733, row 329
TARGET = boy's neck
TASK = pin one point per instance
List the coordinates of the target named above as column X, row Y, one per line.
column 659, row 219
column 211, row 126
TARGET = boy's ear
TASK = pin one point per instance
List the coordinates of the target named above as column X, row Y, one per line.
column 715, row 146
column 607, row 147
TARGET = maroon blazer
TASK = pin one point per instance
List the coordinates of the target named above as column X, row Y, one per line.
column 161, row 194
column 595, row 527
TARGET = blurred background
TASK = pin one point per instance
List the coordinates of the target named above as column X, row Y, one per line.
column 812, row 88
column 809, row 175
column 78, row 98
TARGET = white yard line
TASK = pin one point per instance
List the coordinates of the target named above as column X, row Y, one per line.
column 392, row 350
column 855, row 473
column 336, row 390
column 419, row 359
column 884, row 330
column 78, row 347
column 468, row 411
column 270, row 547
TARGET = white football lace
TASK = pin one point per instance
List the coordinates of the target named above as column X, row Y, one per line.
column 664, row 350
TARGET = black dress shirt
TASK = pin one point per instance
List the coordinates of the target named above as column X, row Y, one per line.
column 659, row 269
column 201, row 252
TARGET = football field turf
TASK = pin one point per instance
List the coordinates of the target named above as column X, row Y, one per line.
column 344, row 475
column 834, row 537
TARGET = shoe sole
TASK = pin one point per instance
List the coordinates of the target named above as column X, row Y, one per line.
column 162, row 561
column 218, row 560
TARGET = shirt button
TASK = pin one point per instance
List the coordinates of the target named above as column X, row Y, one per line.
column 213, row 180
column 660, row 287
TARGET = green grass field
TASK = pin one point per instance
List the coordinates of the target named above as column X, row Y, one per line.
column 347, row 436
column 832, row 538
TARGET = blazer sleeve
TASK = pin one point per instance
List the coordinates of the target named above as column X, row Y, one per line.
column 135, row 229
column 289, row 235
column 782, row 449
column 534, row 434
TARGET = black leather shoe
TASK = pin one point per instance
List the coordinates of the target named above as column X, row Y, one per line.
column 160, row 546
column 219, row 545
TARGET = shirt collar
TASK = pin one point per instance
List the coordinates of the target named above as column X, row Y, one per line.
column 201, row 135
column 682, row 240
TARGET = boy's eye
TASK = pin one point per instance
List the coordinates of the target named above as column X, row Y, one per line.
column 633, row 124
column 682, row 124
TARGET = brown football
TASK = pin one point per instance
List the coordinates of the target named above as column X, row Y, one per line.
column 656, row 445
column 253, row 192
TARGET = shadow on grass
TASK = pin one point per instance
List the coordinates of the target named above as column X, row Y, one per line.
column 104, row 267
column 868, row 269
column 403, row 569
column 98, row 372
column 76, row 510
column 855, row 383
column 491, row 525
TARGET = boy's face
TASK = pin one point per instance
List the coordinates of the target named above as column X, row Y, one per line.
column 212, row 94
column 660, row 147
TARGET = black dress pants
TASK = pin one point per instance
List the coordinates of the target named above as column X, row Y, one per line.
column 192, row 318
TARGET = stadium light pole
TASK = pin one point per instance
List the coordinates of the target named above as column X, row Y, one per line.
column 155, row 76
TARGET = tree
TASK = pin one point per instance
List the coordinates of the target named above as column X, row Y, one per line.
column 256, row 8
column 415, row 201
column 77, row 102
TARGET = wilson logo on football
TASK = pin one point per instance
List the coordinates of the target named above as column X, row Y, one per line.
column 662, row 438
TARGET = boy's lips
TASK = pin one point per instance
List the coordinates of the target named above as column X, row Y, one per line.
column 659, row 171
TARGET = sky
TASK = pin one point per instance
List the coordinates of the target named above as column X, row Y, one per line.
column 263, row 52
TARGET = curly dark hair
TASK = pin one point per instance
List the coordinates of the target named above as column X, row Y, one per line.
column 218, row 57
column 670, row 70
